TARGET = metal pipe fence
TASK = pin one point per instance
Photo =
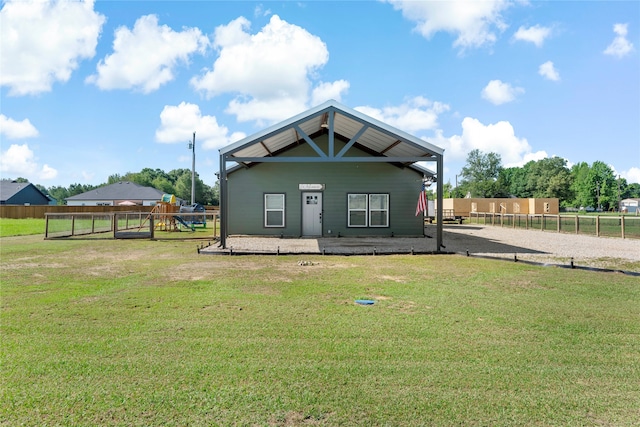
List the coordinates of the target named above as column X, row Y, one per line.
column 624, row 226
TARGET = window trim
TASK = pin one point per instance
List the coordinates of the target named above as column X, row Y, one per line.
column 365, row 210
column 368, row 211
column 267, row 210
column 371, row 210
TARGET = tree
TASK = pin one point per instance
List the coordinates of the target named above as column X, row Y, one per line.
column 212, row 194
column 113, row 179
column 594, row 185
column 183, row 187
column 515, row 180
column 631, row 191
column 549, row 178
column 480, row 175
column 605, row 187
column 59, row 193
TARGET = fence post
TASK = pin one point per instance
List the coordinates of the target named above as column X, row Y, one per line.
column 46, row 226
column 577, row 226
column 597, row 225
column 542, row 223
column 152, row 229
column 622, row 225
column 73, row 224
column 558, row 230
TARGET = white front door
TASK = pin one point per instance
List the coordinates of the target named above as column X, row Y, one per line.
column 312, row 214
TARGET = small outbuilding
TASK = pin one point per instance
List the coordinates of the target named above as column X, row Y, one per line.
column 21, row 193
column 630, row 206
column 328, row 172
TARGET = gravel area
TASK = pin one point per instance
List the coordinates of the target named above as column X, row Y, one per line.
column 490, row 241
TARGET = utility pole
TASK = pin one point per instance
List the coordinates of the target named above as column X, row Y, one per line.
column 192, row 146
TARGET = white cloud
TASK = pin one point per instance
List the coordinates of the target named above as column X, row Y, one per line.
column 498, row 138
column 620, row 46
column 12, row 129
column 270, row 72
column 632, row 175
column 414, row 115
column 42, row 42
column 177, row 124
column 326, row 91
column 548, row 71
column 145, row 58
column 535, row 34
column 474, row 22
column 498, row 92
column 20, row 161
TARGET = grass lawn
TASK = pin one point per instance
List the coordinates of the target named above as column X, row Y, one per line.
column 21, row 227
column 104, row 332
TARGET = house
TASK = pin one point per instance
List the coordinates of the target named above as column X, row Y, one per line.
column 122, row 193
column 531, row 206
column 21, row 193
column 328, row 172
column 630, row 206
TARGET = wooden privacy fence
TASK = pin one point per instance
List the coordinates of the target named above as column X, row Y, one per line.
column 39, row 211
column 623, row 226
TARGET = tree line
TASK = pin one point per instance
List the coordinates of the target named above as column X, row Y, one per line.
column 176, row 182
column 483, row 176
column 581, row 186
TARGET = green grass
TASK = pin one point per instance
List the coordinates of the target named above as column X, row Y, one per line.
column 21, row 227
column 150, row 333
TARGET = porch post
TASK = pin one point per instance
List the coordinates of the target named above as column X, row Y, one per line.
column 440, row 192
column 223, row 202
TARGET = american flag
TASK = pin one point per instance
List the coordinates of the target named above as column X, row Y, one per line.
column 422, row 201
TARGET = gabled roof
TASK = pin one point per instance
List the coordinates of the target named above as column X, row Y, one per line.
column 8, row 189
column 123, row 190
column 354, row 128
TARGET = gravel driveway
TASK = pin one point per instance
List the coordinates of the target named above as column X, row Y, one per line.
column 491, row 241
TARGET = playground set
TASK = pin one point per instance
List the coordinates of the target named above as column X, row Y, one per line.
column 170, row 217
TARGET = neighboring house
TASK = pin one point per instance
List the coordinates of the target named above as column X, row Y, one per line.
column 21, row 193
column 531, row 206
column 122, row 193
column 630, row 205
column 328, row 172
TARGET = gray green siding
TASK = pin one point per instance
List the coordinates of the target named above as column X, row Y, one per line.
column 247, row 186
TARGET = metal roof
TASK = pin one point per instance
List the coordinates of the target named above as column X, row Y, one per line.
column 9, row 189
column 123, row 190
column 381, row 141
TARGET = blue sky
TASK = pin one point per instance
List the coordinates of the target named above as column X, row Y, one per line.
column 93, row 89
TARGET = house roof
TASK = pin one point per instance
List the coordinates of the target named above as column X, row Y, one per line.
column 354, row 128
column 8, row 189
column 124, row 190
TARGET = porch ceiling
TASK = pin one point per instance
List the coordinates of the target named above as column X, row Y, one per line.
column 340, row 123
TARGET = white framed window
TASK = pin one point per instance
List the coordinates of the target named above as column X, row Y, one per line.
column 274, row 210
column 378, row 210
column 368, row 210
column 357, row 210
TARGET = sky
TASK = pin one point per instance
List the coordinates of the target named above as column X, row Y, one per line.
column 92, row 89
